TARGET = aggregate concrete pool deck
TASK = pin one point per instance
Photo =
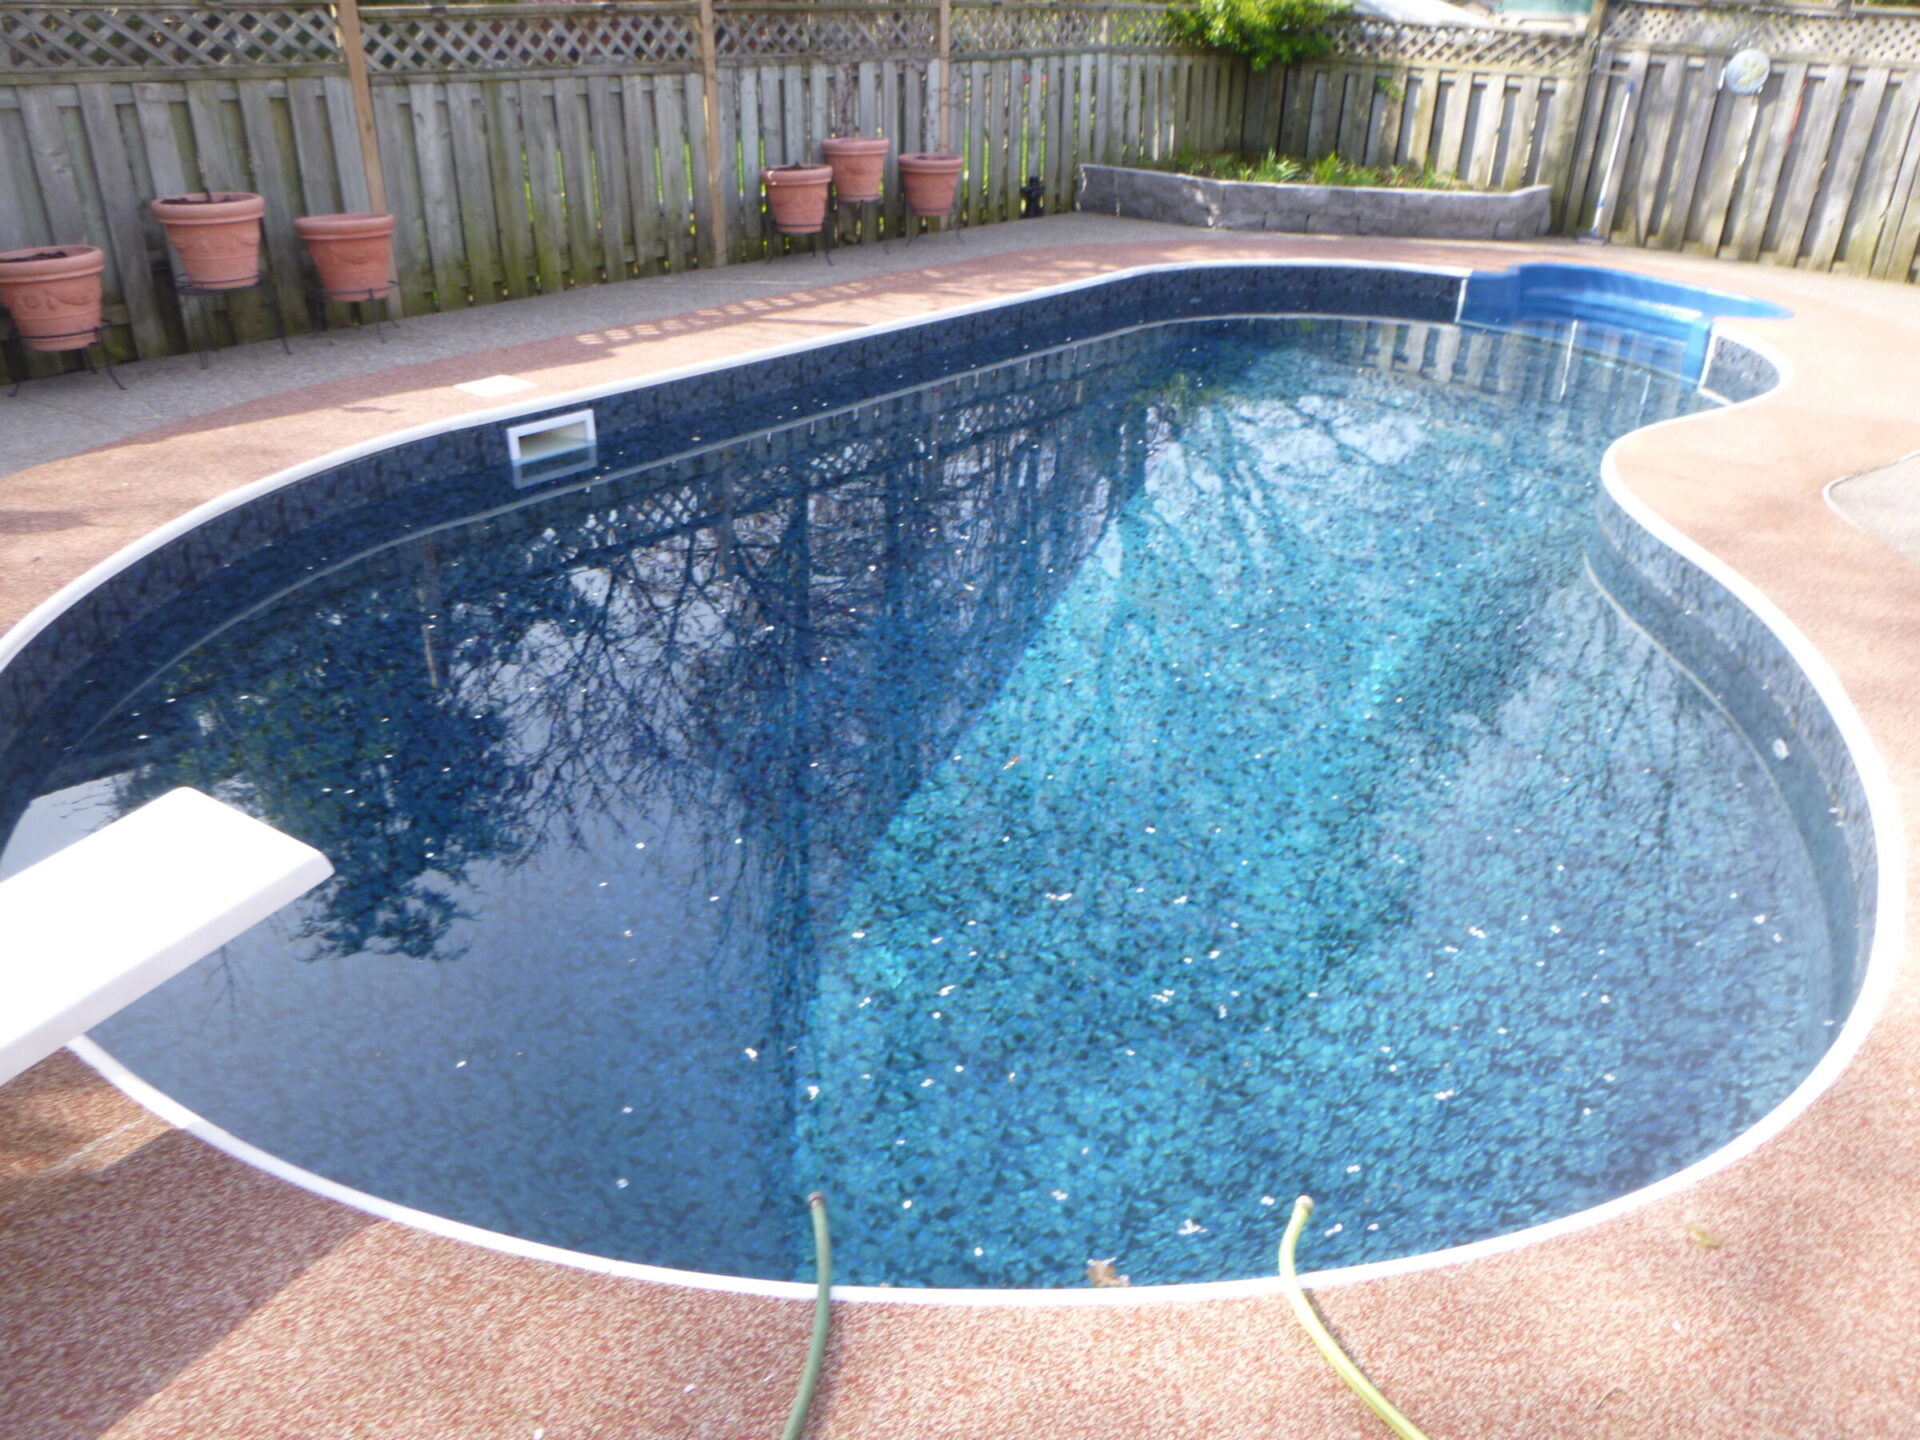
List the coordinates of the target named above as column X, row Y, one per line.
column 154, row 1287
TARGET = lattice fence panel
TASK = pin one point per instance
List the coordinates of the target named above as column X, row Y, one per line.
column 824, row 32
column 1865, row 37
column 478, row 39
column 995, row 29
column 1024, row 29
column 165, row 37
column 1138, row 27
column 1461, row 46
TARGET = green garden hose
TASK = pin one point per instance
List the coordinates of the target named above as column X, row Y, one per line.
column 817, row 1351
column 1310, row 1321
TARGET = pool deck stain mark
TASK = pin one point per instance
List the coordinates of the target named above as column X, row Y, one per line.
column 157, row 1288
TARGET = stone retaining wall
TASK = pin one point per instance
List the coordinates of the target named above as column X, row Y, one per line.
column 1326, row 209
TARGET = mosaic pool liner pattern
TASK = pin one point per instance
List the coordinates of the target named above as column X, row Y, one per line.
column 1818, row 766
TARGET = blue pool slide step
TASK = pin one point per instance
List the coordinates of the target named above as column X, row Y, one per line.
column 1613, row 298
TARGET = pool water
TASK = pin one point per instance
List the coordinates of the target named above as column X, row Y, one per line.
column 1063, row 812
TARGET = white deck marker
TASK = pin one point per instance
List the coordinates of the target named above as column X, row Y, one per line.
column 495, row 385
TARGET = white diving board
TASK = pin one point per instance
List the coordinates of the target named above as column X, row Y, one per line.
column 96, row 926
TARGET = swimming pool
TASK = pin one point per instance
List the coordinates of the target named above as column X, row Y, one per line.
column 931, row 697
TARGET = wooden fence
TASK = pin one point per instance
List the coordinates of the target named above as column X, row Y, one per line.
column 531, row 148
column 1818, row 169
column 1495, row 107
column 1632, row 127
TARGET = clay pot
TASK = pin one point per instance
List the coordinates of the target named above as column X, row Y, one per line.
column 216, row 234
column 797, row 196
column 930, row 181
column 353, row 253
column 53, row 292
column 857, row 162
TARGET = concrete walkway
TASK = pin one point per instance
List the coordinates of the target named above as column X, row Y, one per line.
column 155, row 1287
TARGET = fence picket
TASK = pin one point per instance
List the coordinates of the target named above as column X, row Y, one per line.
column 739, row 137
column 1494, row 123
column 1614, row 154
column 410, row 254
column 1596, row 100
column 1843, row 169
column 545, row 218
column 1657, row 110
column 1870, row 216
column 439, row 201
column 1893, row 256
column 506, row 165
column 582, row 223
column 712, row 248
column 473, row 189
column 1723, row 169
column 1690, row 149
column 128, row 264
column 1809, row 161
column 313, row 159
column 1526, row 113
column 1419, row 135
column 274, row 184
column 343, row 133
column 646, row 210
column 1453, row 123
column 1750, row 229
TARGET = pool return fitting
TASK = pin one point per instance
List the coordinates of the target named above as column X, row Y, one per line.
column 817, row 1350
column 1323, row 1338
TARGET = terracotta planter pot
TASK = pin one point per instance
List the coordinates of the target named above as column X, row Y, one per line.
column 797, row 196
column 216, row 235
column 857, row 162
column 353, row 253
column 930, row 181
column 53, row 293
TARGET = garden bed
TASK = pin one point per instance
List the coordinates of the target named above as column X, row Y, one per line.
column 1322, row 209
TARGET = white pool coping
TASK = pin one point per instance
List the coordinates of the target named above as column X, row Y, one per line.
column 1882, row 803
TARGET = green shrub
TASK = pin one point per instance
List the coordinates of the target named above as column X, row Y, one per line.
column 1266, row 32
column 1330, row 169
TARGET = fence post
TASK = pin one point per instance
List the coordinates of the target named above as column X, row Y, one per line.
column 945, row 42
column 346, row 17
column 716, row 246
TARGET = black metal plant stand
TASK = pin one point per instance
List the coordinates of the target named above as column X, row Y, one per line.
column 187, row 290
column 867, row 212
column 363, row 302
column 917, row 219
column 768, row 233
column 16, row 348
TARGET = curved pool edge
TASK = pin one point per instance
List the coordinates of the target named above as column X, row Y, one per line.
column 1646, row 1326
column 1878, row 972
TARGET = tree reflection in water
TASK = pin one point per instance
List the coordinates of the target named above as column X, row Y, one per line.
column 1122, row 720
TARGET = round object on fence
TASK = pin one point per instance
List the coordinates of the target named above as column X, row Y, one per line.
column 53, row 293
column 216, row 234
column 353, row 253
column 857, row 162
column 797, row 196
column 929, row 181
column 1746, row 72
